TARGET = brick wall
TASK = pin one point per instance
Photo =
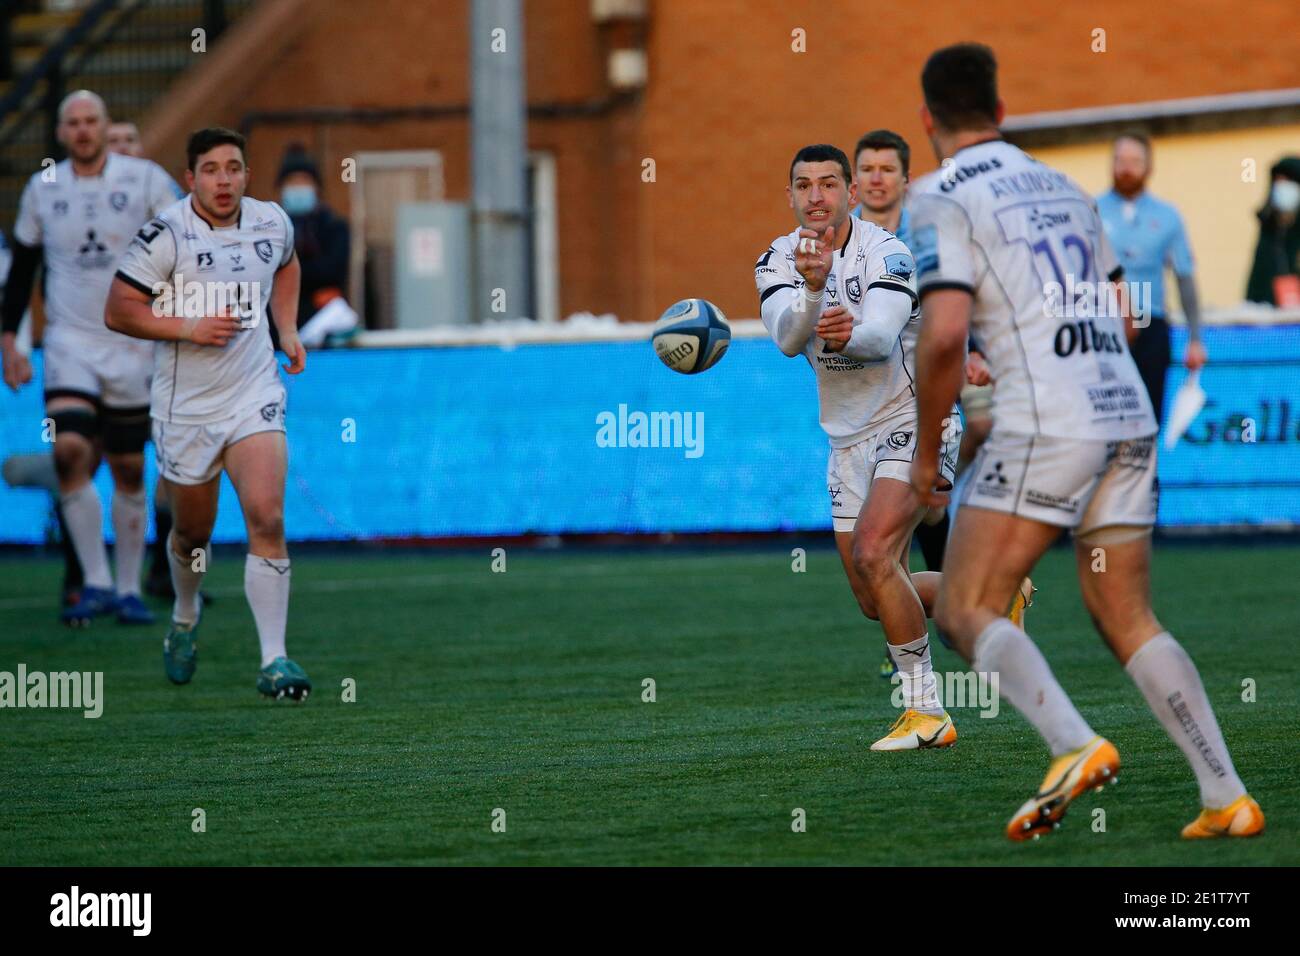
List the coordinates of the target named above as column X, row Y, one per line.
column 727, row 104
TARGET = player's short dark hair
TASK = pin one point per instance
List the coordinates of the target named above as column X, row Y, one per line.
column 203, row 140
column 960, row 84
column 823, row 153
column 886, row 139
column 1138, row 136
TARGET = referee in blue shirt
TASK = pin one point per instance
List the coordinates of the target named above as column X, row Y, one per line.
column 1148, row 235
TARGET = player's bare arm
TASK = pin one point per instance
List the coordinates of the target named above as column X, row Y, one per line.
column 940, row 360
column 18, row 292
column 131, row 312
column 284, row 307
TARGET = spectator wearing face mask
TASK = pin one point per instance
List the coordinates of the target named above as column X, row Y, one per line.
column 1275, row 276
column 322, row 241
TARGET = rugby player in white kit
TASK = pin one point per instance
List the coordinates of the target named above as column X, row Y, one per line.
column 1014, row 251
column 838, row 291
column 78, row 217
column 198, row 279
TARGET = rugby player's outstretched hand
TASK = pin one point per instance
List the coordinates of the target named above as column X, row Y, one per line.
column 214, row 329
column 292, row 346
column 814, row 257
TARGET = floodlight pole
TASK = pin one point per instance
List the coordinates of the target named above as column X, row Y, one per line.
column 499, row 158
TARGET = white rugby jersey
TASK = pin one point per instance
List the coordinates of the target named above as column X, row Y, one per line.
column 84, row 223
column 195, row 384
column 853, row 396
column 1027, row 242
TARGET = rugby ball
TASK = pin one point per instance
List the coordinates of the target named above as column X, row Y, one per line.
column 691, row 336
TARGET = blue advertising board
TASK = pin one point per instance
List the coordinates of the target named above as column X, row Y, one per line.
column 600, row 437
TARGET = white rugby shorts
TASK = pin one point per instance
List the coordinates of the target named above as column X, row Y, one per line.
column 885, row 453
column 195, row 454
column 1083, row 485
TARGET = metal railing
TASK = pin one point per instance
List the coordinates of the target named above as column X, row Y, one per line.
column 127, row 51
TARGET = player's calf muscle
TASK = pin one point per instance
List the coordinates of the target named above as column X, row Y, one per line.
column 886, row 524
column 844, row 544
column 1119, row 600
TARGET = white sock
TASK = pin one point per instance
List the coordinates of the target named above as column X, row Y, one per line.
column 1026, row 682
column 128, row 529
column 266, row 585
column 185, row 582
column 1167, row 677
column 83, row 513
column 913, row 662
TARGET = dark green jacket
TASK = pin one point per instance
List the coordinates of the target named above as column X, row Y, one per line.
column 1278, row 250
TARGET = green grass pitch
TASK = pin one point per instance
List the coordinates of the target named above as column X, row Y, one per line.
column 523, row 691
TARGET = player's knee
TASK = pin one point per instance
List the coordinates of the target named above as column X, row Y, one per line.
column 190, row 532
column 72, row 457
column 266, row 523
column 186, row 539
column 874, row 558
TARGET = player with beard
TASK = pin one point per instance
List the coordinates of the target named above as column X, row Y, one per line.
column 838, row 291
column 1148, row 235
column 76, row 218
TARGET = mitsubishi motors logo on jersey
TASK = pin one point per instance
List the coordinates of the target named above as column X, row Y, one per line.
column 93, row 254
